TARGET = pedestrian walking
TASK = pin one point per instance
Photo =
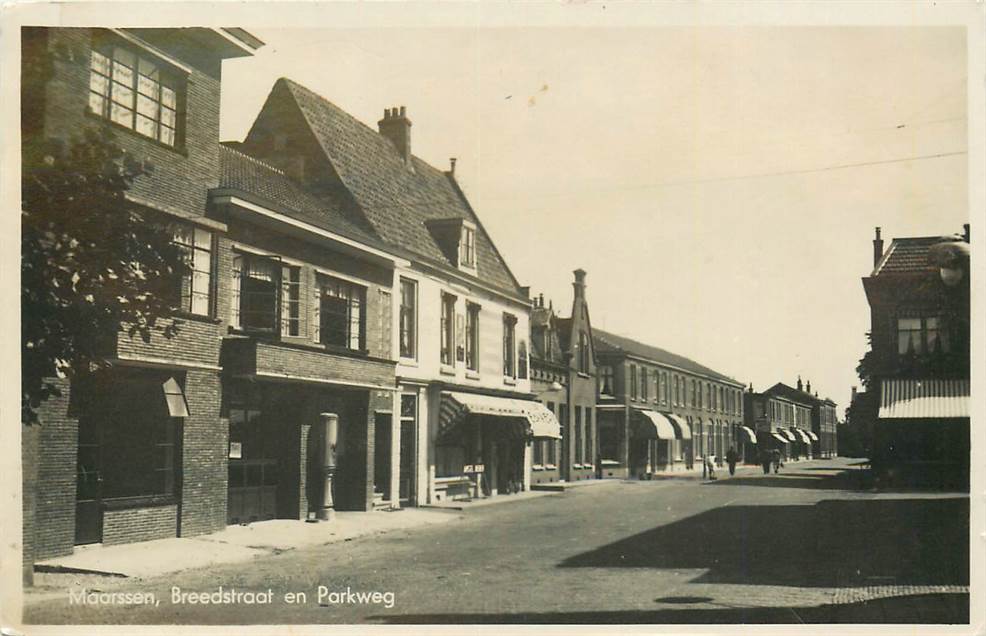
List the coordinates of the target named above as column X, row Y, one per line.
column 710, row 465
column 731, row 458
column 777, row 459
column 765, row 458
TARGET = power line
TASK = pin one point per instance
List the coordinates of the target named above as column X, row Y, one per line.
column 762, row 175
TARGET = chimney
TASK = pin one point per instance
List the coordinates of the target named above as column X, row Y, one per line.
column 540, row 300
column 877, row 247
column 808, row 387
column 396, row 127
column 965, row 232
column 579, row 283
column 800, row 385
column 853, row 398
column 451, row 166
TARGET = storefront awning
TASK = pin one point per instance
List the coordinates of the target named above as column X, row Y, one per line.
column 812, row 435
column 456, row 406
column 787, row 435
column 801, row 436
column 747, row 432
column 682, row 428
column 913, row 399
column 647, row 424
column 780, row 438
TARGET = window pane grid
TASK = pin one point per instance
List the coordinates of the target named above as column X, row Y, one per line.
column 130, row 91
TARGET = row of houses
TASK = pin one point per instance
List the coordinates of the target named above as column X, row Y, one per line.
column 350, row 336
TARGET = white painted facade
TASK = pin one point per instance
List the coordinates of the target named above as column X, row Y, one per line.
column 425, row 376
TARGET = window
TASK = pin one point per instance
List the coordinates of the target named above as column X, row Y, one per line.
column 584, row 351
column 643, row 383
column 340, row 313
column 606, row 380
column 509, row 346
column 553, row 444
column 448, row 330
column 467, row 247
column 667, row 388
column 522, row 360
column 578, row 435
column 920, row 336
column 538, row 452
column 589, row 437
column 694, row 403
column 472, row 336
column 633, row 382
column 722, row 401
column 135, row 92
column 675, row 391
column 660, row 386
column 408, row 318
column 196, row 281
column 255, row 292
column 290, row 301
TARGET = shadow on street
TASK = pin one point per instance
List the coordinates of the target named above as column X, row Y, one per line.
column 834, row 543
column 848, row 480
column 926, row 609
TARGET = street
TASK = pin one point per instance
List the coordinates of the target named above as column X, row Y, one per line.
column 802, row 546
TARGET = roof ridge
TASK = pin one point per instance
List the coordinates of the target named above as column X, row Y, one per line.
column 598, row 333
column 252, row 158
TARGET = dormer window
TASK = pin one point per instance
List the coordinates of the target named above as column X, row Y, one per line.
column 457, row 240
column 467, row 247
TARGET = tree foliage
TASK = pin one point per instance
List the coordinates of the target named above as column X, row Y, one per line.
column 91, row 264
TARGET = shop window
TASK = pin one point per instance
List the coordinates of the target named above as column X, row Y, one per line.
column 195, row 245
column 139, row 436
column 340, row 313
column 450, row 460
column 135, row 91
column 409, row 318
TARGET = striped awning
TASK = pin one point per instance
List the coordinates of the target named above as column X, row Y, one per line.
column 682, row 429
column 801, row 436
column 780, row 438
column 748, row 433
column 812, row 435
column 787, row 435
column 913, row 399
column 647, row 424
column 538, row 420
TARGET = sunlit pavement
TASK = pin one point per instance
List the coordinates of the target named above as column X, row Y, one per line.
column 802, row 546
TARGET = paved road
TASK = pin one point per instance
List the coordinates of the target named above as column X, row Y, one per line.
column 803, row 546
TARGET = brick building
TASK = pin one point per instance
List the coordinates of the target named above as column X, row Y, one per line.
column 462, row 423
column 138, row 451
column 658, row 410
column 917, row 371
column 563, row 375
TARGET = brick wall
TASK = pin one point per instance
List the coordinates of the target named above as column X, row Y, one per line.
column 139, row 524
column 205, row 442
column 54, row 517
column 29, row 465
column 197, row 342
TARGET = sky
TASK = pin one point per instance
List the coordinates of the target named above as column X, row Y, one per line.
column 720, row 185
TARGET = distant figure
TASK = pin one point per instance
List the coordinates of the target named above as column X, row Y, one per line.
column 777, row 459
column 710, row 465
column 765, row 458
column 731, row 458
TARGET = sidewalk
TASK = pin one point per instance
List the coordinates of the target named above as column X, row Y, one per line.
column 234, row 544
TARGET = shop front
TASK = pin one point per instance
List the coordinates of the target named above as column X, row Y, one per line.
column 652, row 436
column 482, row 444
column 747, row 445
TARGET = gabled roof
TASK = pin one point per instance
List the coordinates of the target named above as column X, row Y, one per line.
column 608, row 342
column 396, row 200
column 908, row 255
column 792, row 394
column 265, row 185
